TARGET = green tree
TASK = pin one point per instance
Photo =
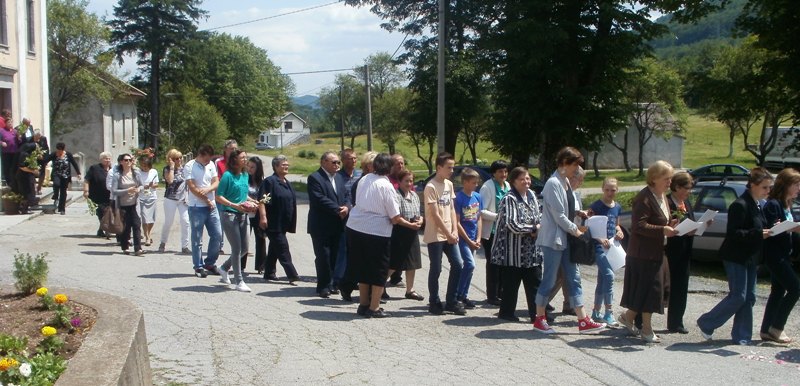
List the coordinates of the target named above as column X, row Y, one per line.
column 655, row 96
column 345, row 103
column 389, row 115
column 149, row 29
column 77, row 62
column 384, row 74
column 237, row 78
column 191, row 120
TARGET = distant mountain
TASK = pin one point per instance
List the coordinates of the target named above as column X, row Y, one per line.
column 715, row 26
column 307, row 100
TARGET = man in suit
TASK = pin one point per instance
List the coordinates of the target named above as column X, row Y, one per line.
column 326, row 213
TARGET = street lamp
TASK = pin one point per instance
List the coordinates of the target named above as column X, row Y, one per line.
column 169, row 120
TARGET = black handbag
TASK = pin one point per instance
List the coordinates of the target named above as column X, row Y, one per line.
column 581, row 249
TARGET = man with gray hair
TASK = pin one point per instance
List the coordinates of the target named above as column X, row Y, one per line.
column 95, row 189
column 326, row 213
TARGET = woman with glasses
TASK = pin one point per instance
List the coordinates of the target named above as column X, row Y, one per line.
column 277, row 216
column 679, row 251
column 148, row 198
column 255, row 171
column 175, row 201
column 126, row 186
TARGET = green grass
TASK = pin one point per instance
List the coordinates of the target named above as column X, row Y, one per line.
column 707, row 142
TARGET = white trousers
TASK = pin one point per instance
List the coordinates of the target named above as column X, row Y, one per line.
column 170, row 207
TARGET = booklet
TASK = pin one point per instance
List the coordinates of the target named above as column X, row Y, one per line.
column 699, row 226
column 783, row 227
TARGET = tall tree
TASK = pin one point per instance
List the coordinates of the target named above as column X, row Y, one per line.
column 345, row 104
column 149, row 29
column 389, row 113
column 78, row 60
column 384, row 74
column 190, row 120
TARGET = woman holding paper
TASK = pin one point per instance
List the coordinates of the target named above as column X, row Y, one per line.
column 646, row 275
column 679, row 252
column 743, row 242
column 785, row 284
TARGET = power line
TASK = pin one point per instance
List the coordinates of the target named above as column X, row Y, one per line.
column 319, row 71
column 274, row 16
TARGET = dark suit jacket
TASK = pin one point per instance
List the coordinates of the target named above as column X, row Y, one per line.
column 282, row 208
column 680, row 246
column 777, row 247
column 324, row 203
column 743, row 238
column 647, row 228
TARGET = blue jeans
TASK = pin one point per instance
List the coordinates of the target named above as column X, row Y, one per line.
column 739, row 303
column 466, row 271
column 235, row 226
column 604, row 292
column 199, row 217
column 572, row 278
column 435, row 251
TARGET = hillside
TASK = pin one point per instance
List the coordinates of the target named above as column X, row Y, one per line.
column 717, row 27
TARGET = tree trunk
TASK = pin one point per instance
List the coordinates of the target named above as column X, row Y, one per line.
column 155, row 76
column 731, row 135
column 594, row 165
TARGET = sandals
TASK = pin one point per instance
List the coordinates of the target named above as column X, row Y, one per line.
column 782, row 339
column 149, row 242
column 414, row 296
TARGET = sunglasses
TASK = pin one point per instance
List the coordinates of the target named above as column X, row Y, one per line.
column 126, row 160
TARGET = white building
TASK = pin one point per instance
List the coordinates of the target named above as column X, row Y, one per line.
column 291, row 129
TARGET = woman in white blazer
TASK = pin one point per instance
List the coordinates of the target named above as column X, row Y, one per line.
column 491, row 193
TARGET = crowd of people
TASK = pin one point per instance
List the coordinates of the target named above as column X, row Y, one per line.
column 365, row 227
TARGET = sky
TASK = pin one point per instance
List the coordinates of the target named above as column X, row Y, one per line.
column 333, row 36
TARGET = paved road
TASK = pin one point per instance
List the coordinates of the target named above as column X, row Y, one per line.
column 202, row 333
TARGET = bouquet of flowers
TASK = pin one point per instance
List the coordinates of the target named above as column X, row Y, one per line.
column 147, row 152
column 680, row 212
column 92, row 207
column 32, row 160
column 265, row 199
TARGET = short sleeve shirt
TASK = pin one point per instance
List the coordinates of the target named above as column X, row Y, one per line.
column 468, row 208
column 601, row 209
column 202, row 176
column 234, row 187
column 441, row 194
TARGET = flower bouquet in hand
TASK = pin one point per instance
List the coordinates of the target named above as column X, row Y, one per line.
column 92, row 210
column 679, row 213
column 265, row 199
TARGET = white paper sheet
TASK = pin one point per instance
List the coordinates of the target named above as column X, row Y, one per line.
column 782, row 227
column 686, row 226
column 703, row 221
column 615, row 255
column 597, row 226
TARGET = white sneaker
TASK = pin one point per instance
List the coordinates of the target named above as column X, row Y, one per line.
column 242, row 287
column 223, row 276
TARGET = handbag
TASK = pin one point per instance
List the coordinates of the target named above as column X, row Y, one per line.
column 112, row 220
column 581, row 249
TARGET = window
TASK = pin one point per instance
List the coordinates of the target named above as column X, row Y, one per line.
column 31, row 27
column 287, row 126
column 3, row 24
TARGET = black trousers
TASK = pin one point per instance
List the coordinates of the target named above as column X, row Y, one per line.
column 512, row 276
column 678, row 290
column 8, row 168
column 279, row 251
column 493, row 288
column 60, row 185
column 783, row 295
column 326, row 247
column 261, row 245
column 132, row 223
column 101, row 209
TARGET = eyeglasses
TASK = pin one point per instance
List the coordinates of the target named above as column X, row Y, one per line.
column 336, row 162
column 126, row 160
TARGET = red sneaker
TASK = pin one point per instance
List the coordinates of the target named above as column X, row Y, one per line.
column 588, row 325
column 540, row 325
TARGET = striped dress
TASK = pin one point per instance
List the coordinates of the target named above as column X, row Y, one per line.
column 516, row 220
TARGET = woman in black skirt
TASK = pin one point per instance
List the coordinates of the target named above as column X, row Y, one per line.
column 405, row 254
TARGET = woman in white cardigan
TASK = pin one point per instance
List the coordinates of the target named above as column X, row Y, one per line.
column 557, row 223
column 491, row 193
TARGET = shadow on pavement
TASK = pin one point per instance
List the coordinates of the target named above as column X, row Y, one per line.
column 513, row 334
column 289, row 292
column 475, row 321
column 86, row 236
column 99, row 253
column 97, row 245
column 330, row 316
column 609, row 340
column 792, row 356
column 320, row 302
column 210, row 289
column 166, row 275
column 703, row 348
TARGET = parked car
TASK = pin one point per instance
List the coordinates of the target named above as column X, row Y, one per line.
column 264, row 146
column 719, row 172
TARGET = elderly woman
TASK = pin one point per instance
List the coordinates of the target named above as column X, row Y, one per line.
column 679, row 251
column 175, row 201
column 94, row 187
column 148, row 198
column 61, row 174
column 646, row 270
column 405, row 252
column 744, row 238
column 514, row 249
column 277, row 217
column 348, row 283
column 9, row 146
column 369, row 231
column 557, row 224
column 492, row 192
column 785, row 285
column 126, row 187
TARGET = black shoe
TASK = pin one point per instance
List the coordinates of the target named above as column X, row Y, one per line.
column 493, row 302
column 324, row 293
column 549, row 308
column 379, row 313
column 679, row 330
column 270, row 278
column 436, row 308
column 568, row 311
column 212, row 269
column 468, row 304
column 385, row 296
column 510, row 318
column 201, row 273
column 347, row 295
column 334, row 290
column 456, row 308
column 100, row 233
column 362, row 310
column 550, row 318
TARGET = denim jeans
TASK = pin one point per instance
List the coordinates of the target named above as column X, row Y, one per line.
column 199, row 217
column 468, row 260
column 572, row 278
column 738, row 304
column 783, row 294
column 604, row 292
column 234, row 226
column 435, row 251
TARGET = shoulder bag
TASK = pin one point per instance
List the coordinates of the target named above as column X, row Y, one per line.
column 581, row 249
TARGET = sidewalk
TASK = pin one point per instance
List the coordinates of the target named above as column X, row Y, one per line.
column 201, row 333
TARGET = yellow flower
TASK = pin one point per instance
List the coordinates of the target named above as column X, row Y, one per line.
column 60, row 298
column 48, row 331
column 41, row 291
column 7, row 363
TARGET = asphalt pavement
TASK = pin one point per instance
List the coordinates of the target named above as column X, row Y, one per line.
column 202, row 333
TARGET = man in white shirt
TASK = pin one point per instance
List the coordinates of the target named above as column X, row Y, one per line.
column 202, row 180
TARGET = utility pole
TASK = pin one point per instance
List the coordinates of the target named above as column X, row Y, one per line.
column 369, row 108
column 440, row 80
column 341, row 113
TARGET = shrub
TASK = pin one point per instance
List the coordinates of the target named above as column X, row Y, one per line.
column 30, row 272
column 311, row 155
column 301, row 153
column 12, row 345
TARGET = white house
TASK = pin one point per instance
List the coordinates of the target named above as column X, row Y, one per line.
column 291, row 129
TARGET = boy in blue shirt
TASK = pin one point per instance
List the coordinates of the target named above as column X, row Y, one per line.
column 604, row 292
column 468, row 207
